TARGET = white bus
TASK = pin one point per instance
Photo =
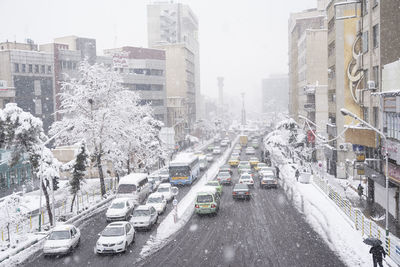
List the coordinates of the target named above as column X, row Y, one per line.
column 184, row 169
column 134, row 186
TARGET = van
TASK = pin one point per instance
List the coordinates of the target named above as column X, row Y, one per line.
column 134, row 186
column 207, row 201
column 203, row 162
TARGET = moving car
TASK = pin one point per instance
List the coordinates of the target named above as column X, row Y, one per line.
column 217, row 150
column 209, row 157
column 250, row 151
column 224, row 177
column 62, row 240
column 216, row 184
column 268, row 180
column 254, row 144
column 259, row 165
column 115, row 238
column 253, row 161
column 224, row 143
column 233, row 161
column 246, row 179
column 166, row 190
column 119, row 210
column 157, row 201
column 207, row 201
column 154, row 181
column 144, row 217
column 226, row 168
column 235, row 154
column 210, row 148
column 241, row 191
column 243, row 164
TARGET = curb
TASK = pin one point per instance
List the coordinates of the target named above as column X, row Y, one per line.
column 18, row 250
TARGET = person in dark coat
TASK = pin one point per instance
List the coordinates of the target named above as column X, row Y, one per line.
column 297, row 174
column 377, row 252
column 277, row 171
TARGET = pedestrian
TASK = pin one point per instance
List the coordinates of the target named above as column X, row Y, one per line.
column 277, row 171
column 377, row 252
column 297, row 174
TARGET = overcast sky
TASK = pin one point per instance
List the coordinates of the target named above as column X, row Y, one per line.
column 244, row 41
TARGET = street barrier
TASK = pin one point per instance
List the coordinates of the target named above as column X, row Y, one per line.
column 367, row 227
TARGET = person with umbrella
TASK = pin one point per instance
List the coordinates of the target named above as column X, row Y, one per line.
column 377, row 250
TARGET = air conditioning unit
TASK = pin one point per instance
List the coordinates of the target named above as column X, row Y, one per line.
column 371, row 85
column 344, row 146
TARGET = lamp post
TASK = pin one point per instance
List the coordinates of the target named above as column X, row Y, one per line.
column 41, row 176
column 345, row 112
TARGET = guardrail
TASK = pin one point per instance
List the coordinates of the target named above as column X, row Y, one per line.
column 365, row 226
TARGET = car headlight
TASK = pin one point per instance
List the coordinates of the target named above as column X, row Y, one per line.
column 98, row 243
column 120, row 243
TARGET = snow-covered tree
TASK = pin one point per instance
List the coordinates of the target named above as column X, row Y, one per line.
column 23, row 135
column 108, row 117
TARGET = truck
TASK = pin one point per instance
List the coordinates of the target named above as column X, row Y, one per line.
column 243, row 139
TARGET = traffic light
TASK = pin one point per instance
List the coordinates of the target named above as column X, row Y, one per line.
column 55, row 183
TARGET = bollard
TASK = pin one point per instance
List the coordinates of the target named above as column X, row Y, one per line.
column 388, row 246
column 17, row 228
column 379, row 234
column 356, row 222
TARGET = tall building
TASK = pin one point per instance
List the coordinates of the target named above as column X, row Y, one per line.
column 142, row 70
column 298, row 24
column 275, row 93
column 174, row 28
column 7, row 94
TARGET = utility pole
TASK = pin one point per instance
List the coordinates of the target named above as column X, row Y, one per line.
column 220, row 95
column 243, row 111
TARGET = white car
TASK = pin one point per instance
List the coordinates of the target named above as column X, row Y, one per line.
column 144, row 216
column 165, row 189
column 209, row 157
column 157, row 201
column 216, row 151
column 164, row 175
column 115, row 238
column 250, row 151
column 120, row 209
column 246, row 179
column 62, row 240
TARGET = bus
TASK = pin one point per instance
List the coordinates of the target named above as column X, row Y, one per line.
column 184, row 169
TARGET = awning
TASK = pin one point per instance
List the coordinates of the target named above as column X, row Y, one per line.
column 361, row 136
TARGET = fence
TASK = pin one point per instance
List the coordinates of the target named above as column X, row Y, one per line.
column 367, row 227
column 13, row 232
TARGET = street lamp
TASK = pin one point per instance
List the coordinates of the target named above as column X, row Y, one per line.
column 41, row 176
column 346, row 112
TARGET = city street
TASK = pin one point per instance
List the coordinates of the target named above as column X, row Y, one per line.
column 265, row 231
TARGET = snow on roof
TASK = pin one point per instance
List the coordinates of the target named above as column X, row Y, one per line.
column 183, row 159
column 207, row 189
column 132, row 178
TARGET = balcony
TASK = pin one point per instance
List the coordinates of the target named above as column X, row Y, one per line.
column 331, row 129
column 309, row 107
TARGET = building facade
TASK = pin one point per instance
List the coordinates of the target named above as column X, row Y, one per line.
column 275, row 93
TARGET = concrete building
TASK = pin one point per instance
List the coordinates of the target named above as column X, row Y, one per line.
column 177, row 114
column 142, row 70
column 298, row 24
column 174, row 27
column 7, row 94
column 275, row 93
column 31, row 73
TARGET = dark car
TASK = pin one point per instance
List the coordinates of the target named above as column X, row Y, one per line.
column 268, row 180
column 226, row 168
column 241, row 191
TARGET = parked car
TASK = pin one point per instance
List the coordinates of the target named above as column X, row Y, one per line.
column 246, row 179
column 207, row 201
column 216, row 184
column 224, row 177
column 157, row 201
column 144, row 217
column 250, row 151
column 241, row 191
column 115, row 238
column 62, row 240
column 120, row 209
column 167, row 190
column 268, row 180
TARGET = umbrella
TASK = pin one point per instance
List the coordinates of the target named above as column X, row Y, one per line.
column 372, row 241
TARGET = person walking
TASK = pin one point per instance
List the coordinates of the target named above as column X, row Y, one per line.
column 277, row 171
column 297, row 174
column 377, row 252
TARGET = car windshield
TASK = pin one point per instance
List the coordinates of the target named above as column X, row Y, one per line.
column 245, row 177
column 140, row 213
column 118, row 205
column 59, row 235
column 154, row 200
column 126, row 188
column 163, row 189
column 241, row 186
column 113, row 231
column 164, row 172
column 212, row 183
column 204, row 198
column 179, row 171
column 224, row 174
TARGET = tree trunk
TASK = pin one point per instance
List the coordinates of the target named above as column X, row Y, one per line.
column 128, row 166
column 101, row 175
column 46, row 195
column 72, row 204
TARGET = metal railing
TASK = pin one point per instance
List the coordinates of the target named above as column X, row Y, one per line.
column 365, row 226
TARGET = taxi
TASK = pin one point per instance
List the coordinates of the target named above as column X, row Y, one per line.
column 253, row 161
column 233, row 161
column 207, row 201
column 260, row 165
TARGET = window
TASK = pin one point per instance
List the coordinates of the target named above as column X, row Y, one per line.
column 74, row 65
column 48, row 69
column 143, row 87
column 43, row 69
column 364, row 42
column 36, row 68
column 38, row 107
column 121, row 70
column 157, row 87
column 23, row 68
column 375, row 71
column 16, row 67
column 366, row 76
column 375, row 32
column 365, row 114
column 30, row 68
column 69, row 65
column 331, row 49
